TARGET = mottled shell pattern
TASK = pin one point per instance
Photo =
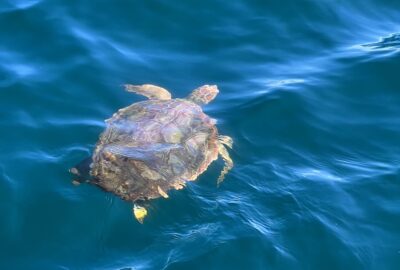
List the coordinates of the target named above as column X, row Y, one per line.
column 153, row 146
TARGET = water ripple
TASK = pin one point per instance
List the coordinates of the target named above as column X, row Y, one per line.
column 309, row 93
column 12, row 5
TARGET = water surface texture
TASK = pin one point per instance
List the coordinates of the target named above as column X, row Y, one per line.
column 309, row 91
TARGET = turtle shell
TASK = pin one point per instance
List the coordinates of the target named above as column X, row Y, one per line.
column 153, row 145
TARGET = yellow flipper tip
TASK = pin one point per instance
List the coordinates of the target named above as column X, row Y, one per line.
column 140, row 213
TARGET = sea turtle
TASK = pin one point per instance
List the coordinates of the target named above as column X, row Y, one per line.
column 156, row 145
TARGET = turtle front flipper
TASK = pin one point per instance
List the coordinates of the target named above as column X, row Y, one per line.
column 226, row 140
column 222, row 141
column 150, row 91
column 139, row 212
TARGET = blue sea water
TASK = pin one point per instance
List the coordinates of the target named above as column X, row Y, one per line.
column 309, row 91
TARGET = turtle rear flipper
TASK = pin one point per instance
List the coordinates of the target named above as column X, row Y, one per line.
column 222, row 141
column 139, row 212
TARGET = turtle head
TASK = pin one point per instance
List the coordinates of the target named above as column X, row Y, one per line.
column 81, row 171
column 204, row 94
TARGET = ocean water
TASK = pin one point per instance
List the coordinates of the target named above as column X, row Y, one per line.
column 309, row 92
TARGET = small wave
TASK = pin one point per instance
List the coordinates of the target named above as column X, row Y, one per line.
column 12, row 5
column 42, row 156
column 387, row 46
column 317, row 174
column 18, row 67
column 278, row 83
column 362, row 169
column 4, row 177
column 59, row 122
column 22, row 70
column 100, row 45
column 391, row 42
column 268, row 86
column 23, row 4
column 15, row 64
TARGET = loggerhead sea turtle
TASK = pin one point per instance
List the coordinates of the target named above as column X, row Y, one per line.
column 156, row 145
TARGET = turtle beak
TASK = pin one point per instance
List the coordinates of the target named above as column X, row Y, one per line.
column 213, row 92
column 81, row 171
